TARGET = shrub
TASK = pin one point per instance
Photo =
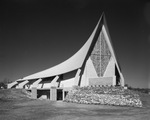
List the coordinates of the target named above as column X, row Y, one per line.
column 104, row 95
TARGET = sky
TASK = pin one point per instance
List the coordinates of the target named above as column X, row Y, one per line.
column 38, row 34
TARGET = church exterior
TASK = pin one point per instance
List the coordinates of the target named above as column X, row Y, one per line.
column 95, row 64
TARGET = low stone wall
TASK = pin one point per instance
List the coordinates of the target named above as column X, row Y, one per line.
column 104, row 95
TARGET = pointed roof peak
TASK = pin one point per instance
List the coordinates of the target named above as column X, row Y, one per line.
column 102, row 19
column 103, row 14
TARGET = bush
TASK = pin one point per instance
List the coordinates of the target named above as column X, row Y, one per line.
column 104, row 95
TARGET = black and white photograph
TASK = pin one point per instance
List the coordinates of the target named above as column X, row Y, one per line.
column 74, row 60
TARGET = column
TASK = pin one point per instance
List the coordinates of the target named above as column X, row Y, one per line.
column 121, row 79
column 114, row 80
column 34, row 92
column 63, row 93
column 53, row 93
column 77, row 77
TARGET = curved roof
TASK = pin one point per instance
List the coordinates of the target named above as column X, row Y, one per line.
column 70, row 64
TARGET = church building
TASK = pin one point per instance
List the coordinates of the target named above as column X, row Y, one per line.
column 95, row 64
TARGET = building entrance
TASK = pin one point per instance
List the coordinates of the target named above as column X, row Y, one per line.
column 59, row 94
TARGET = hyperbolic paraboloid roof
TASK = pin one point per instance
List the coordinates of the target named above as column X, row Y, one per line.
column 73, row 63
column 70, row 64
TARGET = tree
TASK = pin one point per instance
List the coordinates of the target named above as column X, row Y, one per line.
column 3, row 84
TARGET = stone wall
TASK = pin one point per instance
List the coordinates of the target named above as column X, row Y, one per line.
column 104, row 95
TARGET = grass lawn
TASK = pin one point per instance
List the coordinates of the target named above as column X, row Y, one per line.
column 27, row 109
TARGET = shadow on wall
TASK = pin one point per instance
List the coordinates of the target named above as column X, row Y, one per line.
column 45, row 94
